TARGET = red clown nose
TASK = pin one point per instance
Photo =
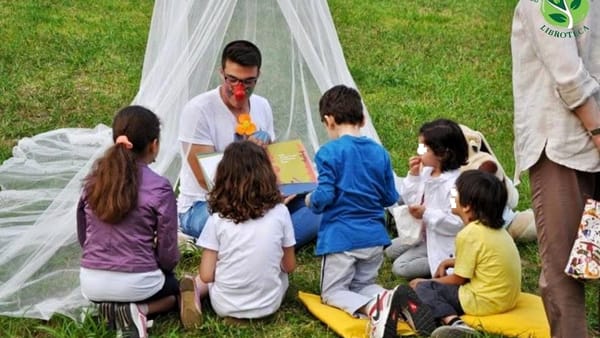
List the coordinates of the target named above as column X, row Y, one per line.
column 239, row 91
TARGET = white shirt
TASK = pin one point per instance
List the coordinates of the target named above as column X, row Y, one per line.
column 553, row 73
column 441, row 226
column 206, row 120
column 248, row 281
column 124, row 286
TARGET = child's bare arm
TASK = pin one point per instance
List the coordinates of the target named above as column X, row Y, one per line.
column 208, row 265
column 451, row 279
column 444, row 265
column 448, row 279
column 288, row 261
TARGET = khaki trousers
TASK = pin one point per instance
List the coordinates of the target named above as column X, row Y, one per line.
column 558, row 198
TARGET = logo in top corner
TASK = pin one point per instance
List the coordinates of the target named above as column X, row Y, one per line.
column 565, row 13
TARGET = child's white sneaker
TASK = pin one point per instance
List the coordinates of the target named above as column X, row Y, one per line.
column 383, row 314
column 458, row 329
column 131, row 322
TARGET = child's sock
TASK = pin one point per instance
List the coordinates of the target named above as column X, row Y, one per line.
column 453, row 320
column 143, row 308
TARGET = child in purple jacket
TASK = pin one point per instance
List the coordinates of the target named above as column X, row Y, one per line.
column 127, row 228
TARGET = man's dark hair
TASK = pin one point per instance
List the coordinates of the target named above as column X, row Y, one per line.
column 485, row 194
column 242, row 52
column 445, row 138
column 343, row 104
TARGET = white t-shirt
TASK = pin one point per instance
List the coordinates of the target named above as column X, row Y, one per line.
column 206, row 120
column 248, row 282
column 117, row 286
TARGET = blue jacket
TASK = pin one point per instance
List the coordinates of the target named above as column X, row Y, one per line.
column 355, row 183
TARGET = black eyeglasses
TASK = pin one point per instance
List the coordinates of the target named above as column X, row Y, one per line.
column 232, row 80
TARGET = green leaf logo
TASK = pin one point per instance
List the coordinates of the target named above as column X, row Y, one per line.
column 565, row 13
column 558, row 17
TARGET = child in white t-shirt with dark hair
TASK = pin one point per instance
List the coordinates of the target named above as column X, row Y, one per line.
column 248, row 240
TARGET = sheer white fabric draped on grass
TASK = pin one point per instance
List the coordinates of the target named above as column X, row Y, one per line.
column 40, row 184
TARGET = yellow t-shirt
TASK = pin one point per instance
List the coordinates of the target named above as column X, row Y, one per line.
column 490, row 259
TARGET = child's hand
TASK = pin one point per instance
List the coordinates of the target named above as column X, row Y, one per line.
column 414, row 165
column 416, row 210
column 444, row 265
column 287, row 199
column 413, row 283
column 260, row 137
column 307, row 199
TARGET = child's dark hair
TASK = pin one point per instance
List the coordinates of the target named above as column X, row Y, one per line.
column 343, row 104
column 242, row 52
column 245, row 183
column 445, row 138
column 112, row 185
column 485, row 194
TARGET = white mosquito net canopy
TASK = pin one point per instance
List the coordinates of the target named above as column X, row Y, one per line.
column 41, row 183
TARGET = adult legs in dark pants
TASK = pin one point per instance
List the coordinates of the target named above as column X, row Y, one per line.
column 558, row 199
column 306, row 223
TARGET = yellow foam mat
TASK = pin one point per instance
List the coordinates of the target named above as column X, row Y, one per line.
column 340, row 321
column 527, row 319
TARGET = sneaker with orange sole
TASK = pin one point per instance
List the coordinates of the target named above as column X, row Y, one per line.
column 190, row 310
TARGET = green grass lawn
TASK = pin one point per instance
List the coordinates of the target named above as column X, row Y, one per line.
column 74, row 63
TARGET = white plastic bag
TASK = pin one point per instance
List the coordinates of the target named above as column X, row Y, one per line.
column 409, row 228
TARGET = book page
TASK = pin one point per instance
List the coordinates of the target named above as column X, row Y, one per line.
column 208, row 164
column 291, row 163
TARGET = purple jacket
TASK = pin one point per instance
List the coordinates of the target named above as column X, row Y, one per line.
column 129, row 245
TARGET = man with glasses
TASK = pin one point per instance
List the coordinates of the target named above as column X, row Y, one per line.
column 208, row 124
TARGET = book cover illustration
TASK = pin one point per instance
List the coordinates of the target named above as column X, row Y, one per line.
column 293, row 167
column 291, row 163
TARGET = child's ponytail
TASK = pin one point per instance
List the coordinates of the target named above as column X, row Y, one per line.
column 112, row 186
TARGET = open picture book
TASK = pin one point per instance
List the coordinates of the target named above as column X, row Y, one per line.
column 291, row 163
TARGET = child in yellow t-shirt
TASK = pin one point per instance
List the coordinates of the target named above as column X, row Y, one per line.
column 487, row 269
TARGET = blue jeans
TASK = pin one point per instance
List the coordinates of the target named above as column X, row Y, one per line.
column 193, row 220
column 306, row 223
